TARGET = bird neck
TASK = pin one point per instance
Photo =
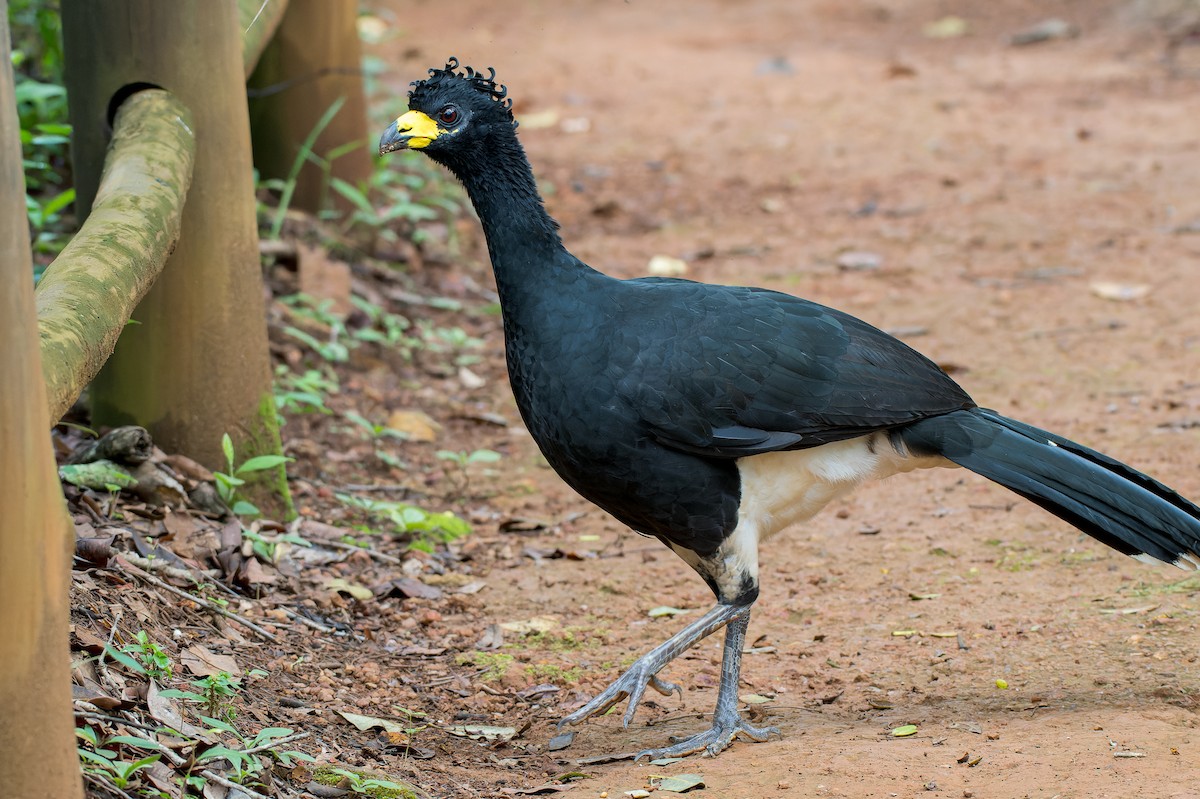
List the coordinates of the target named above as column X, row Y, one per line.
column 523, row 242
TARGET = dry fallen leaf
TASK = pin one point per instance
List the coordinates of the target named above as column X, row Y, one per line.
column 202, row 662
column 371, row 722
column 482, row 732
column 538, row 624
column 341, row 584
column 417, row 425
column 1119, row 292
column 679, row 783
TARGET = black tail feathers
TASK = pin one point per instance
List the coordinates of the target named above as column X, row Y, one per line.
column 1131, row 512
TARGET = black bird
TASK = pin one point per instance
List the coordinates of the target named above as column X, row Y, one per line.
column 711, row 417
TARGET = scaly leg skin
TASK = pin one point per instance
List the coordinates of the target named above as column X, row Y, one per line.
column 644, row 670
column 727, row 722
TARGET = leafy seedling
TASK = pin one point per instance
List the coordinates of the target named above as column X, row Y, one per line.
column 228, row 482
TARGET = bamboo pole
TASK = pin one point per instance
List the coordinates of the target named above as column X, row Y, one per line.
column 37, row 739
column 196, row 366
column 258, row 19
column 314, row 59
column 87, row 295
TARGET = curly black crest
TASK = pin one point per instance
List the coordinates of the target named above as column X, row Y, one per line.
column 485, row 84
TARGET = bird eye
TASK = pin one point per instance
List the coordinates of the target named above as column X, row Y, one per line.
column 448, row 115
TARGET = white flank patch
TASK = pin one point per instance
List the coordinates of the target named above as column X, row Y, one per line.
column 781, row 488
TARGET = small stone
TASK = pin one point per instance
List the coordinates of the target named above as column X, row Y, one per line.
column 859, row 261
column 666, row 266
column 784, row 785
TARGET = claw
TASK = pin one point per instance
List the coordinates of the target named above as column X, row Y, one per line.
column 712, row 741
column 665, row 688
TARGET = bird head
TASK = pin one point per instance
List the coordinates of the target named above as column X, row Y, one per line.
column 448, row 111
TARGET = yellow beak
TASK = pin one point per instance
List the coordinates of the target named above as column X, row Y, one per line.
column 412, row 131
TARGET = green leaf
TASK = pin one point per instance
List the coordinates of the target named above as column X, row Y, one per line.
column 244, row 508
column 58, row 202
column 217, row 724
column 84, row 754
column 268, row 734
column 484, row 456
column 227, row 448
column 352, row 194
column 130, row 740
column 261, row 463
column 125, row 660
column 223, row 753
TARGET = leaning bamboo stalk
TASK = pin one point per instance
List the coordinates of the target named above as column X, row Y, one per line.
column 86, row 297
column 259, row 20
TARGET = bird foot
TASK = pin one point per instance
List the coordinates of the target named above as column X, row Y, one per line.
column 712, row 741
column 631, row 684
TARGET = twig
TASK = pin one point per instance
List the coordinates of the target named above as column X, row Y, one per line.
column 161, row 566
column 100, row 664
column 209, row 774
column 87, row 714
column 104, row 785
column 272, row 744
column 381, row 556
column 204, row 603
column 307, row 622
column 366, row 488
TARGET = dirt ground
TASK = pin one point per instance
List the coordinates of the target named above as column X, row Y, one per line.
column 1003, row 190
column 1027, row 216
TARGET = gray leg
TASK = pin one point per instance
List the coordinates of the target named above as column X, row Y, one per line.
column 727, row 721
column 643, row 672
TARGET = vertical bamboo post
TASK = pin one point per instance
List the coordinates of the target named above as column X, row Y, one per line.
column 196, row 364
column 314, row 59
column 37, row 735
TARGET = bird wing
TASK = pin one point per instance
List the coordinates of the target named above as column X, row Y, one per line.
column 728, row 372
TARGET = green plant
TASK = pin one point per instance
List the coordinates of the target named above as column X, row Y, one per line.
column 245, row 762
column 37, row 61
column 463, row 461
column 378, row 433
column 387, row 329
column 460, row 347
column 287, row 187
column 155, row 662
column 425, row 528
column 265, row 546
column 228, row 482
column 103, row 759
column 371, row 786
column 305, row 392
column 215, row 692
